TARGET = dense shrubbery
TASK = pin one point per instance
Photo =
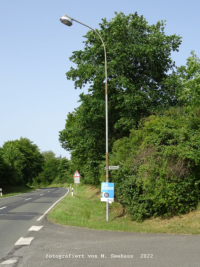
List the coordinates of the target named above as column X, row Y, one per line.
column 160, row 164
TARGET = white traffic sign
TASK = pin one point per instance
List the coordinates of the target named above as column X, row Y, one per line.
column 76, row 174
column 112, row 167
column 77, row 180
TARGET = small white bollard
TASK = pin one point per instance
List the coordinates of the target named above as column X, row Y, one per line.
column 72, row 191
column 1, row 192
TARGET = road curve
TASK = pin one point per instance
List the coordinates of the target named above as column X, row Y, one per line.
column 18, row 213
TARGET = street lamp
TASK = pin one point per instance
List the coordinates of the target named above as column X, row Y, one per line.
column 68, row 21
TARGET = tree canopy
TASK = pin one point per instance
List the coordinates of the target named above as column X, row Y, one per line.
column 189, row 81
column 48, row 155
column 139, row 59
column 22, row 160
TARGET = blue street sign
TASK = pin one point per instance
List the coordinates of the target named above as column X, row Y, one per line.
column 107, row 192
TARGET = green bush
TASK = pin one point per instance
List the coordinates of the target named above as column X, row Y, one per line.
column 163, row 197
column 159, row 165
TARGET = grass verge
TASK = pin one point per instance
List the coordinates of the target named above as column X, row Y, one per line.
column 9, row 191
column 86, row 210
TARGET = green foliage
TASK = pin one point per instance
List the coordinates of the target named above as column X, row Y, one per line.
column 34, row 160
column 4, row 168
column 48, row 155
column 23, row 161
column 55, row 169
column 65, row 172
column 50, row 171
column 160, row 165
column 14, row 159
column 189, row 75
column 138, row 57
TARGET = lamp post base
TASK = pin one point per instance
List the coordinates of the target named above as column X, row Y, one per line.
column 107, row 211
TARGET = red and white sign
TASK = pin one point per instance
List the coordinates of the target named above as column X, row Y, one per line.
column 76, row 174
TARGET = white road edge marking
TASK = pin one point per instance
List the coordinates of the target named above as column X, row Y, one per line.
column 27, row 199
column 10, row 261
column 24, row 241
column 2, row 208
column 52, row 206
column 35, row 228
column 41, row 194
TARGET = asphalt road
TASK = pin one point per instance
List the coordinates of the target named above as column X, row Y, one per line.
column 59, row 246
column 19, row 213
column 54, row 245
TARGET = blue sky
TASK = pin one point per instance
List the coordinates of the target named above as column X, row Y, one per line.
column 35, row 96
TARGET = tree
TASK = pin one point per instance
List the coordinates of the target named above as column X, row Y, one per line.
column 34, row 160
column 50, row 171
column 5, row 172
column 56, row 170
column 48, row 155
column 15, row 159
column 65, row 172
column 24, row 159
column 139, row 59
column 189, row 75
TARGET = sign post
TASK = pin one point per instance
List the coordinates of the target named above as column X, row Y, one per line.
column 107, row 190
column 76, row 180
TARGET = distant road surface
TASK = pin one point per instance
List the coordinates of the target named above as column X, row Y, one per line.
column 19, row 213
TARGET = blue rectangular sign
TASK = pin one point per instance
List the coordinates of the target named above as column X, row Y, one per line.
column 107, row 192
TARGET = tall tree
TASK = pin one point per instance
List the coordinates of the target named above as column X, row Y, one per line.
column 15, row 159
column 24, row 158
column 139, row 58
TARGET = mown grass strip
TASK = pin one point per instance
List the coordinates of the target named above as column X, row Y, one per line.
column 86, row 210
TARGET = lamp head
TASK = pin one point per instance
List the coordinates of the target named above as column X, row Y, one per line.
column 66, row 20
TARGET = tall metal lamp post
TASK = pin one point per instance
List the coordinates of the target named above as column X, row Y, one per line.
column 68, row 21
